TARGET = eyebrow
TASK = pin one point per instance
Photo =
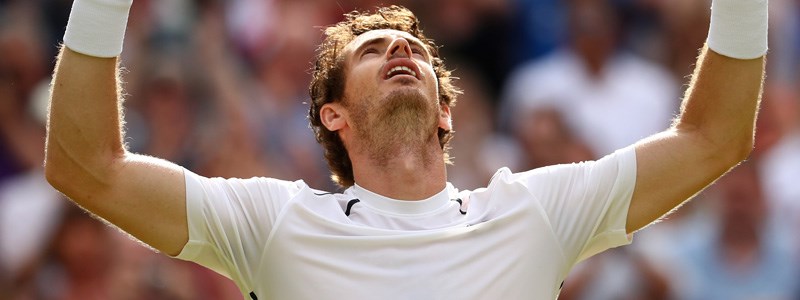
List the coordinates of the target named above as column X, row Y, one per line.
column 369, row 42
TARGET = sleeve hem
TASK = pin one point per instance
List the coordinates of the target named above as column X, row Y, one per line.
column 624, row 186
column 190, row 251
column 193, row 201
column 608, row 240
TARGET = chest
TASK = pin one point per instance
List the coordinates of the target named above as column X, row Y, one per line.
column 510, row 255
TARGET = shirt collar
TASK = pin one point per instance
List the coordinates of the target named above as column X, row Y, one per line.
column 403, row 207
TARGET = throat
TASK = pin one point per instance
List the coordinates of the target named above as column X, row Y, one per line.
column 394, row 147
column 407, row 173
column 402, row 154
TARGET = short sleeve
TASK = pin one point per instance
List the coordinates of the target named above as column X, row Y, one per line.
column 586, row 203
column 230, row 221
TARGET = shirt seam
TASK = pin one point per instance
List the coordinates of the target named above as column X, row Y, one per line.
column 275, row 226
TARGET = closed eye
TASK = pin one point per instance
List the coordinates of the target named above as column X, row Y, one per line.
column 419, row 52
column 369, row 51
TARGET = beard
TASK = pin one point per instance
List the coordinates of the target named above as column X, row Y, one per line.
column 404, row 122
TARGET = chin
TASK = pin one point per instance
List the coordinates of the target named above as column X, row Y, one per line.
column 404, row 101
column 404, row 116
column 407, row 94
column 410, row 111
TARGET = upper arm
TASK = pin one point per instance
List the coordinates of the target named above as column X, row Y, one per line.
column 713, row 133
column 142, row 195
column 87, row 161
column 671, row 167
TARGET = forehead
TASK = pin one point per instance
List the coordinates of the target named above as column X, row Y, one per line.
column 377, row 34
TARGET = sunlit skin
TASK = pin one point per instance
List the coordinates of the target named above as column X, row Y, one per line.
column 146, row 197
column 398, row 158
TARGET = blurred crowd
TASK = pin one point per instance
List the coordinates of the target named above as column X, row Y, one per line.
column 220, row 87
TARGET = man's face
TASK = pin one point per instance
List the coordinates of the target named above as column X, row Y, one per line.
column 391, row 92
column 387, row 61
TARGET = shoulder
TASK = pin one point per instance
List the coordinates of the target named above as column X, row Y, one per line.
column 256, row 192
column 618, row 163
column 264, row 185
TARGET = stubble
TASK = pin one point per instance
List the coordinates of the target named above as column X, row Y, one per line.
column 401, row 124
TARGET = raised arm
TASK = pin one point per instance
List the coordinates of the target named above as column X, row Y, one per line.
column 86, row 158
column 715, row 128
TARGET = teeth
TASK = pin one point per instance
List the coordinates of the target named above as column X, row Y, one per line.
column 401, row 68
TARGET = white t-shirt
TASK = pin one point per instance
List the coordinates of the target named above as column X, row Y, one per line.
column 515, row 239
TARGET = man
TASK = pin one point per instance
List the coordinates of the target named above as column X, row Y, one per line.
column 381, row 108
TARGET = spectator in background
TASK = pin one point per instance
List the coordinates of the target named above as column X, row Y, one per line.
column 619, row 274
column 141, row 274
column 546, row 139
column 25, row 197
column 683, row 25
column 546, row 135
column 81, row 261
column 785, row 27
column 277, row 112
column 88, row 260
column 474, row 31
column 540, row 28
column 748, row 255
column 583, row 101
column 609, row 97
column 21, row 69
column 164, row 107
column 479, row 150
column 777, row 152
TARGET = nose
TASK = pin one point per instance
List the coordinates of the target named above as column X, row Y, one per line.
column 399, row 47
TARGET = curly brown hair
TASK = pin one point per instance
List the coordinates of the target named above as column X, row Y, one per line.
column 328, row 78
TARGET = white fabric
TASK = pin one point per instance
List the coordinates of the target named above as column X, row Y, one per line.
column 97, row 27
column 780, row 170
column 518, row 238
column 739, row 28
column 29, row 210
column 631, row 99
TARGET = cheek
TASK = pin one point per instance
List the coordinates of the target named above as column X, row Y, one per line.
column 432, row 81
column 359, row 80
column 435, row 90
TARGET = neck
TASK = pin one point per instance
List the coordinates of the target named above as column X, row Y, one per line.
column 406, row 174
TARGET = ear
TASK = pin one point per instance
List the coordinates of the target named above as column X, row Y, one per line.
column 332, row 116
column 445, row 121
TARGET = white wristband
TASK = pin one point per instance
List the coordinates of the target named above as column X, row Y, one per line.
column 97, row 27
column 739, row 28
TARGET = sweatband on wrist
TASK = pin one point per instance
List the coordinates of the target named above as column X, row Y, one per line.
column 97, row 27
column 739, row 28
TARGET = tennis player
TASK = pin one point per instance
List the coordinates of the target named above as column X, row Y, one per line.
column 380, row 107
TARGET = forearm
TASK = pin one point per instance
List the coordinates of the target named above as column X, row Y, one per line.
column 84, row 131
column 86, row 158
column 715, row 128
column 713, row 133
column 722, row 100
column 721, row 103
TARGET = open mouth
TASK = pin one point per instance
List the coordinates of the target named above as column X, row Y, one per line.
column 400, row 70
column 400, row 66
